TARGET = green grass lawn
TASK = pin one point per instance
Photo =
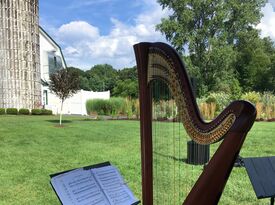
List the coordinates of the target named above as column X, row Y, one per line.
column 32, row 147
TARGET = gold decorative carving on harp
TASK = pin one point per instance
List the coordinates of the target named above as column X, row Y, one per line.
column 158, row 61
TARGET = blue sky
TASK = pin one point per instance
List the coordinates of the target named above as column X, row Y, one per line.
column 103, row 31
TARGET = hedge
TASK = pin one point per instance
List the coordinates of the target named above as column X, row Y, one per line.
column 2, row 111
column 12, row 111
column 24, row 111
column 46, row 112
column 36, row 111
column 113, row 106
column 41, row 112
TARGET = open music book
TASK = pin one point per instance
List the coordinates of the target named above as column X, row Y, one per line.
column 99, row 184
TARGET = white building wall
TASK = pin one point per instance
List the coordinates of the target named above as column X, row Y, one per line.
column 46, row 45
column 76, row 104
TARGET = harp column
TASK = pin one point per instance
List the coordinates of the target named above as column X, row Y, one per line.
column 19, row 54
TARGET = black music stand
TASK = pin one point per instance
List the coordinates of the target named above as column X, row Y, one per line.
column 261, row 172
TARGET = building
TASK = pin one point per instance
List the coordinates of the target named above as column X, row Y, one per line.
column 19, row 54
column 51, row 60
column 27, row 55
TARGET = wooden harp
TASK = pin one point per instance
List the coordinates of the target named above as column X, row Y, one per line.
column 160, row 61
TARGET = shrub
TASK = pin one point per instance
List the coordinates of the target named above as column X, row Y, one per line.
column 252, row 97
column 24, row 111
column 221, row 100
column 36, row 111
column 46, row 112
column 114, row 106
column 117, row 105
column 268, row 99
column 12, row 111
column 2, row 111
column 99, row 106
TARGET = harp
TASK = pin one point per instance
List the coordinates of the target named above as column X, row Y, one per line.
column 158, row 61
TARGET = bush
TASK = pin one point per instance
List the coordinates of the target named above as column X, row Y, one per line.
column 24, row 111
column 12, row 111
column 221, row 100
column 117, row 105
column 2, row 111
column 99, row 106
column 36, row 111
column 46, row 112
column 113, row 106
column 253, row 97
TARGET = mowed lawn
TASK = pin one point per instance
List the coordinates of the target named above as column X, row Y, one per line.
column 32, row 147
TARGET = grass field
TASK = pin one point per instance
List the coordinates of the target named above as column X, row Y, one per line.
column 32, row 147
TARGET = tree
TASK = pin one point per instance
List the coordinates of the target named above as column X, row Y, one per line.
column 127, row 83
column 207, row 31
column 83, row 78
column 255, row 59
column 63, row 83
column 126, row 88
column 102, row 77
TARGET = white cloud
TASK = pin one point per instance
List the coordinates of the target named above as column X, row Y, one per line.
column 78, row 31
column 267, row 24
column 83, row 46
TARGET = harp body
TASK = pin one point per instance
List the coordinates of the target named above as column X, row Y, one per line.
column 160, row 61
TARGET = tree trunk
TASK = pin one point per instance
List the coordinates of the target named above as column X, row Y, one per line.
column 60, row 115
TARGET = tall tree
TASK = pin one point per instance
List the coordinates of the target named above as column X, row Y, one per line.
column 255, row 60
column 83, row 78
column 207, row 30
column 102, row 77
column 127, row 83
column 63, row 83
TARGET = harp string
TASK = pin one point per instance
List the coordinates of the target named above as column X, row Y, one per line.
column 168, row 163
column 171, row 175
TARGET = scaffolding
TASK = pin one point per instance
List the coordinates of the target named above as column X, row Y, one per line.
column 19, row 54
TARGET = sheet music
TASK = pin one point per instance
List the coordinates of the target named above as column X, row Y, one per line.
column 79, row 187
column 113, row 185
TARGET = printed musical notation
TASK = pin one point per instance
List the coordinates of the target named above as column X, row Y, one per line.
column 97, row 186
column 113, row 185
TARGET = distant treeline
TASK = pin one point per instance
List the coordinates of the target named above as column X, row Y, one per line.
column 104, row 77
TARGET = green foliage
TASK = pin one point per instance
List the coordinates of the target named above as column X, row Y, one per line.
column 117, row 105
column 102, row 77
column 46, row 112
column 99, row 106
column 268, row 98
column 128, row 73
column 126, row 88
column 41, row 112
column 255, row 58
column 114, row 107
column 12, row 111
column 84, row 83
column 2, row 111
column 36, row 111
column 212, row 32
column 24, row 111
column 221, row 100
column 252, row 97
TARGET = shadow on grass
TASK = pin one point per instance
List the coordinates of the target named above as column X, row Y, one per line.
column 57, row 121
